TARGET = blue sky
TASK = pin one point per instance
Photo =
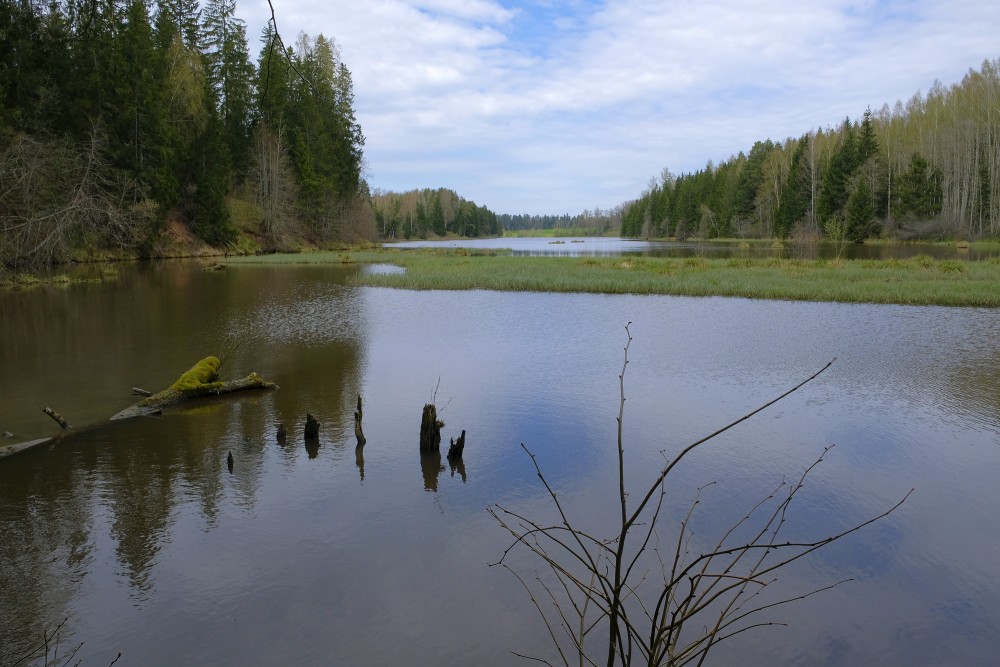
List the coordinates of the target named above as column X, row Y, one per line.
column 557, row 107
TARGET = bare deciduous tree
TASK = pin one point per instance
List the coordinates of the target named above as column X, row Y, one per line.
column 272, row 180
column 58, row 196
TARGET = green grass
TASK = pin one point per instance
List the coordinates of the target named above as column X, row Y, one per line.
column 26, row 281
column 920, row 281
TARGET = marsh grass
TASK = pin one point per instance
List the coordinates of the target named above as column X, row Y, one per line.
column 921, row 280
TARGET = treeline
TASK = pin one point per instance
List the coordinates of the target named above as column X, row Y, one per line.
column 420, row 213
column 116, row 116
column 929, row 169
column 593, row 222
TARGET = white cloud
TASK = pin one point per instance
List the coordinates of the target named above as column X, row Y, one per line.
column 555, row 107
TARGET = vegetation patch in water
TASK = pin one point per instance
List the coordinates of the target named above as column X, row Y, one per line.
column 921, row 280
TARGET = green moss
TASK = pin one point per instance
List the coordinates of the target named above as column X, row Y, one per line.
column 203, row 373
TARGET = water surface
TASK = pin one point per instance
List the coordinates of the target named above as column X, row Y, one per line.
column 602, row 246
column 139, row 535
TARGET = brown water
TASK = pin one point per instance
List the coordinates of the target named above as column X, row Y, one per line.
column 138, row 534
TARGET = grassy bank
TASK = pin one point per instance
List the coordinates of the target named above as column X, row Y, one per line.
column 919, row 281
column 26, row 281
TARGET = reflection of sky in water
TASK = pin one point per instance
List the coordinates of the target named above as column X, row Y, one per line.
column 604, row 246
column 297, row 559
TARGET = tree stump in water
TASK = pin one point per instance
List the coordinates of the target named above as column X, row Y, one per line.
column 312, row 427
column 456, row 448
column 358, row 433
column 282, row 434
column 430, row 430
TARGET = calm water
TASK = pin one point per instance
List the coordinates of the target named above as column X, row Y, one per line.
column 591, row 247
column 139, row 535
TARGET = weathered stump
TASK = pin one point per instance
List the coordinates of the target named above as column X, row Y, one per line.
column 282, row 434
column 430, row 430
column 312, row 427
column 358, row 433
column 457, row 447
column 229, row 461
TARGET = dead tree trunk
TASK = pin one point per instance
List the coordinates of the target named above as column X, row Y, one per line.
column 430, row 430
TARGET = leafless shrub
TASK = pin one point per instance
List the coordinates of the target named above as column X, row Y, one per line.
column 630, row 600
column 57, row 196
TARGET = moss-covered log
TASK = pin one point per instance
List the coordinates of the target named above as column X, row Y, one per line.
column 202, row 379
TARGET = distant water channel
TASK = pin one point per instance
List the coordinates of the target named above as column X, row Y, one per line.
column 597, row 246
column 140, row 537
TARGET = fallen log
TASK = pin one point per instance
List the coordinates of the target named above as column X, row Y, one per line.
column 202, row 379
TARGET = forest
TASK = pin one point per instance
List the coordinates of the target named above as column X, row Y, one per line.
column 419, row 213
column 119, row 117
column 929, row 168
column 123, row 120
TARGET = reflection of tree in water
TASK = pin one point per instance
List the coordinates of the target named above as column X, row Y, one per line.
column 430, row 467
column 141, row 499
column 457, row 465
column 46, row 546
column 976, row 382
column 147, row 469
column 359, row 460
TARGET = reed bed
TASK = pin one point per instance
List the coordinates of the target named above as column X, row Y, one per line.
column 920, row 280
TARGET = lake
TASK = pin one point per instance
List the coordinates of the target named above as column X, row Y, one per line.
column 139, row 535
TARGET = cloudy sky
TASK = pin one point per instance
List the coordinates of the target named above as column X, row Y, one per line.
column 556, row 107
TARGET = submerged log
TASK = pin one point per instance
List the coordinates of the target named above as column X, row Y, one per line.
column 139, row 391
column 358, row 433
column 202, row 379
column 430, row 429
column 58, row 418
